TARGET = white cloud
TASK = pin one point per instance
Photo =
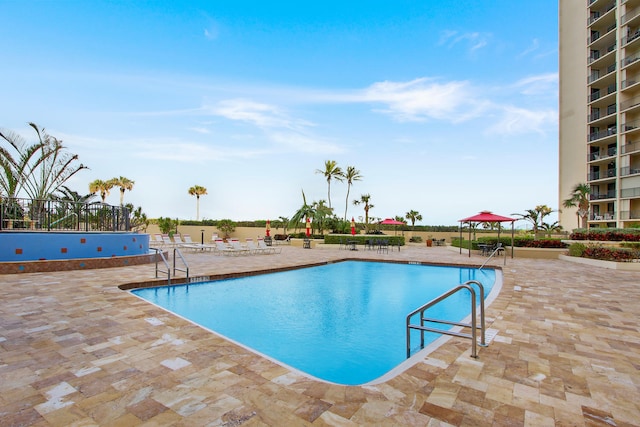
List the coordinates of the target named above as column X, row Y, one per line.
column 535, row 45
column 259, row 114
column 515, row 120
column 474, row 40
column 421, row 99
column 543, row 84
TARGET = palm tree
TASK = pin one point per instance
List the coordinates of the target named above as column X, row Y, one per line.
column 102, row 187
column 124, row 184
column 321, row 213
column 39, row 169
column 331, row 171
column 532, row 216
column 197, row 191
column 305, row 211
column 350, row 175
column 579, row 198
column 364, row 199
column 413, row 216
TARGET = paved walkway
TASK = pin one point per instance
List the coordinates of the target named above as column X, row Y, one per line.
column 77, row 351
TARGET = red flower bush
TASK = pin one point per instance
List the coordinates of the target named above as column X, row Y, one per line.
column 610, row 254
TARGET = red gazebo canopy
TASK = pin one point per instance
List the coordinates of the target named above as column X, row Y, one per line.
column 487, row 216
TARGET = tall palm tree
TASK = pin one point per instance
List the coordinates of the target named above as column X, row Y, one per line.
column 331, row 171
column 197, row 191
column 351, row 174
column 124, row 184
column 102, row 187
column 413, row 216
column 364, row 199
column 579, row 198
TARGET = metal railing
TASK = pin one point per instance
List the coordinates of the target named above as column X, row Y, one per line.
column 176, row 254
column 473, row 325
column 499, row 248
column 54, row 215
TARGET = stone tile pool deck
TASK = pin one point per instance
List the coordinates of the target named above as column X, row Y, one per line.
column 75, row 350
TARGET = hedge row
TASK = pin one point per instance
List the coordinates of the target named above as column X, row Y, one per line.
column 607, row 234
column 335, row 239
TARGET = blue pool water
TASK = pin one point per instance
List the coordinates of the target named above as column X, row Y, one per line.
column 343, row 322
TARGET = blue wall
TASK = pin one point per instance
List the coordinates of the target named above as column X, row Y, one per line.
column 34, row 246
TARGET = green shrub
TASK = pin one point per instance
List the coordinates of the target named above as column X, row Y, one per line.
column 415, row 239
column 577, row 249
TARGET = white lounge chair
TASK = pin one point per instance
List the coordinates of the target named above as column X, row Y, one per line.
column 263, row 245
column 256, row 250
column 167, row 241
column 222, row 248
column 235, row 244
column 156, row 241
column 200, row 246
column 184, row 244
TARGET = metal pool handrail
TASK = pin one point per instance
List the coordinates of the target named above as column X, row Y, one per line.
column 473, row 325
column 184, row 262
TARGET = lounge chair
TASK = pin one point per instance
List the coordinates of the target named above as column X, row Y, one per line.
column 262, row 245
column 222, row 248
column 156, row 241
column 167, row 241
column 235, row 244
column 200, row 246
column 256, row 250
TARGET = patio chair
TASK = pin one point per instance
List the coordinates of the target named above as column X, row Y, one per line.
column 235, row 245
column 383, row 246
column 251, row 245
column 263, row 245
column 223, row 249
column 156, row 241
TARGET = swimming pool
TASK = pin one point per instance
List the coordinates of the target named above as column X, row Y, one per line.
column 342, row 322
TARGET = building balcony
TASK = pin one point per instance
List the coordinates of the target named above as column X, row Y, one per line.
column 602, row 155
column 630, row 103
column 630, row 15
column 629, row 170
column 601, row 73
column 598, row 94
column 630, row 193
column 594, row 136
column 594, row 176
column 601, row 55
column 631, row 126
column 630, row 147
column 596, row 15
column 603, row 196
column 607, row 216
column 628, row 60
column 629, row 215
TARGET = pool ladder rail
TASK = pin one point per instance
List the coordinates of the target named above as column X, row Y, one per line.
column 176, row 254
column 473, row 325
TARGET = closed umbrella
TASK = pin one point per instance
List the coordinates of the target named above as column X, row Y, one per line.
column 268, row 231
column 353, row 227
column 308, row 227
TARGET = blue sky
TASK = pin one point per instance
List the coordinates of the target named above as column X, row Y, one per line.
column 447, row 108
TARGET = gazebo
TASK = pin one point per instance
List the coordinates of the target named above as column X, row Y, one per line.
column 487, row 216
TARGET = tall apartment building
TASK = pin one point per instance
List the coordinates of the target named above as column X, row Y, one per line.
column 599, row 122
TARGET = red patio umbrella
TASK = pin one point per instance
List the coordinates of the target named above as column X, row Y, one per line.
column 308, row 227
column 391, row 221
column 268, row 228
column 353, row 227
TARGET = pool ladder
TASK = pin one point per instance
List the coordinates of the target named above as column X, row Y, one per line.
column 473, row 325
column 176, row 254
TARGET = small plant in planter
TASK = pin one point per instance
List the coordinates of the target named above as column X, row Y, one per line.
column 226, row 226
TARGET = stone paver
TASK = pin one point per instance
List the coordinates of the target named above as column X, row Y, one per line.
column 76, row 350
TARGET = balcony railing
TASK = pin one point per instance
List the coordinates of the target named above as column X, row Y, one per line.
column 629, row 193
column 629, row 59
column 610, row 152
column 629, row 170
column 607, row 216
column 53, row 215
column 630, row 147
column 630, row 15
column 629, row 126
column 629, row 215
column 631, row 37
column 630, row 103
column 602, row 134
column 602, row 196
column 609, row 173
